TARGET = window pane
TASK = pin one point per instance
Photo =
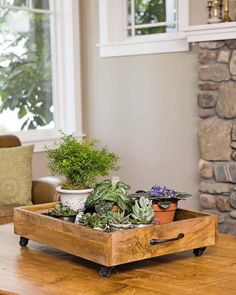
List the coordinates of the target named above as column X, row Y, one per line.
column 25, row 71
column 150, row 11
column 129, row 33
column 148, row 31
column 40, row 4
column 16, row 2
column 129, row 20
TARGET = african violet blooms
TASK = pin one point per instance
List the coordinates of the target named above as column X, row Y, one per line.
column 162, row 192
column 159, row 192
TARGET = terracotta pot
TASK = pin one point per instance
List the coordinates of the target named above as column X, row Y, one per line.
column 164, row 215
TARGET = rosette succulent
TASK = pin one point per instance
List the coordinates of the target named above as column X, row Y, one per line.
column 142, row 212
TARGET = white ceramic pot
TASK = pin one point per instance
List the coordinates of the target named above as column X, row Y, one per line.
column 75, row 199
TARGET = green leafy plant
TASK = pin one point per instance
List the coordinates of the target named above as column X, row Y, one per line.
column 80, row 162
column 60, row 210
column 142, row 212
column 108, row 193
column 96, row 221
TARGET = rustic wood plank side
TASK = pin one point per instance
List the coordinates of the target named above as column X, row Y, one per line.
column 132, row 245
column 37, row 208
column 186, row 214
column 72, row 238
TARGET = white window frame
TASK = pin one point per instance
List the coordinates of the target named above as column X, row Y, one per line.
column 66, row 75
column 114, row 40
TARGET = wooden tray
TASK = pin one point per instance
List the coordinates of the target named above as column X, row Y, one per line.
column 190, row 231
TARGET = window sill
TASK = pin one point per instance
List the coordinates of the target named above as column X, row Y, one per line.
column 40, row 138
column 145, row 45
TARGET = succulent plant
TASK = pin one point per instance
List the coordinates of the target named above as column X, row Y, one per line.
column 142, row 212
column 60, row 210
column 119, row 217
column 119, row 220
column 96, row 221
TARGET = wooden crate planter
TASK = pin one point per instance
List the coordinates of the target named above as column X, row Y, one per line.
column 190, row 231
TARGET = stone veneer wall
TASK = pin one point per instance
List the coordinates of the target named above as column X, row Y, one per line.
column 217, row 131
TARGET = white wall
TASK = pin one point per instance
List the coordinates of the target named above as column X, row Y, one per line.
column 144, row 108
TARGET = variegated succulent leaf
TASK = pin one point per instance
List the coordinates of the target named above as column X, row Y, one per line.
column 142, row 211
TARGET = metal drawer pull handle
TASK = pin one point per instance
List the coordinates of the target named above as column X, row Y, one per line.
column 157, row 241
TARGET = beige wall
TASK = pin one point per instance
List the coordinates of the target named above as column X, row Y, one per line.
column 198, row 12
column 144, row 108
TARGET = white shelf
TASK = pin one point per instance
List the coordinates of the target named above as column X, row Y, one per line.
column 211, row 32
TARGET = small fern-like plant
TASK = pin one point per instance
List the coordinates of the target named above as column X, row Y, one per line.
column 80, row 162
column 142, row 212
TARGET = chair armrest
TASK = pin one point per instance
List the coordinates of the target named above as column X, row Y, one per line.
column 44, row 190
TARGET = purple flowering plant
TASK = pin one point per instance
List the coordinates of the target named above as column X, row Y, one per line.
column 161, row 195
column 164, row 196
column 162, row 192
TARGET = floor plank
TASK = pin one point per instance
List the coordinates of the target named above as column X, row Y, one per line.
column 38, row 269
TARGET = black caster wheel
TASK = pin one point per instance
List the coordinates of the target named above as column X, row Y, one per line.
column 199, row 251
column 105, row 272
column 23, row 241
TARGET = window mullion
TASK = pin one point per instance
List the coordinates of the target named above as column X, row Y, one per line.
column 155, row 25
column 29, row 4
column 133, row 18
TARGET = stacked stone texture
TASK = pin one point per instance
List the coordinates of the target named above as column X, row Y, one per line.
column 217, row 131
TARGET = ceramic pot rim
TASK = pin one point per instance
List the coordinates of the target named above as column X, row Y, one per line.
column 82, row 191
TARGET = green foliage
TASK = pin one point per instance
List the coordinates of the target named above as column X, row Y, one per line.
column 60, row 210
column 25, row 75
column 152, row 11
column 119, row 217
column 80, row 162
column 109, row 193
column 96, row 221
column 142, row 211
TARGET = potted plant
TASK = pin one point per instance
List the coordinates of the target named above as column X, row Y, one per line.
column 110, row 195
column 164, row 202
column 80, row 163
column 142, row 212
column 118, row 220
column 141, row 215
column 63, row 212
column 95, row 221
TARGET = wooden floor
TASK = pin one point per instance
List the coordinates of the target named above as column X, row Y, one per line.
column 38, row 269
